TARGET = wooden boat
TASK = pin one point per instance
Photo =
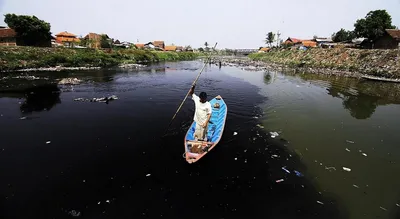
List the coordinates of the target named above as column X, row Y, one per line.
column 195, row 150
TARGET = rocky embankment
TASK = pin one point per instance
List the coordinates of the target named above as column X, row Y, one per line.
column 346, row 62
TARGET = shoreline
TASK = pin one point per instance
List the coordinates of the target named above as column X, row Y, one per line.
column 246, row 63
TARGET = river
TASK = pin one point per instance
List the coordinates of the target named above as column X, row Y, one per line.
column 61, row 158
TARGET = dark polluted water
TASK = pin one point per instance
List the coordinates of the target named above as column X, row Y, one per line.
column 61, row 158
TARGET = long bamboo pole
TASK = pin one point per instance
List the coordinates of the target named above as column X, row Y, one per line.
column 194, row 83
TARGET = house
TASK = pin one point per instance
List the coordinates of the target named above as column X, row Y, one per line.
column 292, row 40
column 67, row 39
column 149, row 45
column 159, row 44
column 8, row 37
column 94, row 40
column 263, row 49
column 170, row 48
column 322, row 40
column 179, row 48
column 308, row 43
column 389, row 40
column 139, row 45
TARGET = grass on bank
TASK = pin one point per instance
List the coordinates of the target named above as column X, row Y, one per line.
column 14, row 58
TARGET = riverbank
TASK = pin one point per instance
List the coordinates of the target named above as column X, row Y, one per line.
column 338, row 61
column 37, row 59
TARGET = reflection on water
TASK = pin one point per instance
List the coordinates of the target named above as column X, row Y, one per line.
column 360, row 98
column 40, row 98
column 334, row 122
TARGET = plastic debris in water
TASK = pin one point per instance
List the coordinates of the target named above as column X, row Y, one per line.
column 108, row 201
column 48, row 142
column 397, row 205
column 364, row 154
column 346, row 169
column 260, row 126
column 274, row 134
column 347, row 150
column 283, row 168
column 274, row 155
column 235, row 133
column 98, row 203
column 235, row 158
column 22, row 118
column 279, row 180
column 355, row 186
column 382, row 208
column 74, row 213
column 351, row 142
column 298, row 173
column 320, row 202
column 148, row 174
column 328, row 168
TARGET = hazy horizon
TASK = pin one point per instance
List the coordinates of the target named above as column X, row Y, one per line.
column 233, row 24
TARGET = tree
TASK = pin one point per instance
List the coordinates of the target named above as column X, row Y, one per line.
column 270, row 38
column 201, row 49
column 31, row 31
column 373, row 25
column 105, row 41
column 343, row 35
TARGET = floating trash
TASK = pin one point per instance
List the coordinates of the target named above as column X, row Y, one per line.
column 279, row 180
column 22, row 118
column 74, row 213
column 235, row 158
column 108, row 201
column 347, row 150
column 48, row 142
column 298, row 173
column 397, row 205
column 283, row 168
column 321, row 203
column 330, row 168
column 148, row 174
column 98, row 203
column 364, row 154
column 346, row 169
column 235, row 133
column 351, row 142
column 274, row 155
column 355, row 186
column 274, row 134
column 260, row 126
column 382, row 208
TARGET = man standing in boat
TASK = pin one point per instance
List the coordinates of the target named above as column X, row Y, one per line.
column 202, row 114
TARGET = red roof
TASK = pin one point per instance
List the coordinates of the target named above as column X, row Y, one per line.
column 65, row 34
column 394, row 33
column 294, row 40
column 7, row 32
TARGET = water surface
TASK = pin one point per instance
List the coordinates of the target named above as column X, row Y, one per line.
column 61, row 158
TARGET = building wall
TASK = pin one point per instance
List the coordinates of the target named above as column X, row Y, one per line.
column 386, row 42
column 8, row 42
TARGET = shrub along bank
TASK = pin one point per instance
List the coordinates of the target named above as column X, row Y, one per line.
column 15, row 58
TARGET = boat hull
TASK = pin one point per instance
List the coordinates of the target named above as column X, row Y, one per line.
column 195, row 150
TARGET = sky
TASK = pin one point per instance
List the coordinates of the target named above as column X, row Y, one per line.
column 233, row 24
